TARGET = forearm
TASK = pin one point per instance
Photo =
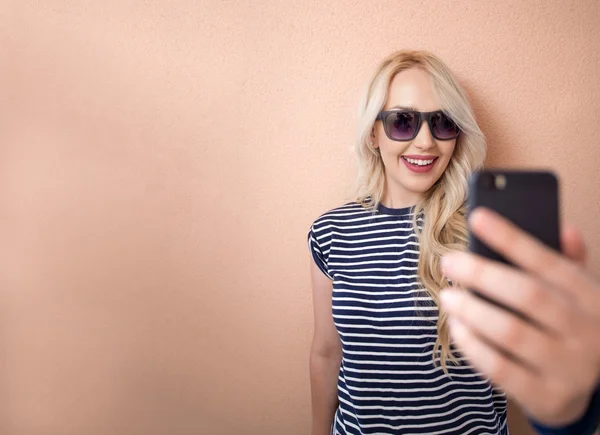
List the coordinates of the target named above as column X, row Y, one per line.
column 324, row 371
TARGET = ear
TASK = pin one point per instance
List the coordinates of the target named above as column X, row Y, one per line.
column 374, row 144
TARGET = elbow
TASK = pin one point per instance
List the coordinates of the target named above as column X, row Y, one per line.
column 327, row 351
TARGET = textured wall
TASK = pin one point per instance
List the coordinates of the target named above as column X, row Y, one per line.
column 161, row 161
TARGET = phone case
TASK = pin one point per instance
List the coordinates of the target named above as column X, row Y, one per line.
column 529, row 199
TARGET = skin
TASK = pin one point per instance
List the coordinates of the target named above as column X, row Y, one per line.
column 410, row 89
column 553, row 363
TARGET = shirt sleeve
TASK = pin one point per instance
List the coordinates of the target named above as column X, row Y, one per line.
column 317, row 252
column 587, row 425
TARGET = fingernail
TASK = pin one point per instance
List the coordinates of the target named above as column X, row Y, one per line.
column 480, row 213
column 457, row 329
column 480, row 218
column 447, row 262
column 449, row 298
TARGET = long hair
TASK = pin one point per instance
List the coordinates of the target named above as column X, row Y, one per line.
column 444, row 226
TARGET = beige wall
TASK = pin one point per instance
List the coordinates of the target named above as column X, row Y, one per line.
column 161, row 162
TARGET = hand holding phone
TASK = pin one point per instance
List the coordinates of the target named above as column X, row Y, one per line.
column 527, row 198
column 549, row 363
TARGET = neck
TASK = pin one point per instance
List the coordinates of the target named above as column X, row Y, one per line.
column 399, row 198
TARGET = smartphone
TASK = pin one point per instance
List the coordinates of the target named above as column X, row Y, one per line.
column 529, row 199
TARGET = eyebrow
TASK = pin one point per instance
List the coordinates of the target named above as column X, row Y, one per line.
column 404, row 108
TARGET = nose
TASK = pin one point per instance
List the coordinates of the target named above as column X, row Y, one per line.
column 424, row 140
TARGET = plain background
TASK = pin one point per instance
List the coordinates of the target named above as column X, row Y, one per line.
column 161, row 162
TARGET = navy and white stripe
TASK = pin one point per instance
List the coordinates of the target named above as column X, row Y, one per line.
column 388, row 383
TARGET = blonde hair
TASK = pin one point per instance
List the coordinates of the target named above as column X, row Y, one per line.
column 444, row 226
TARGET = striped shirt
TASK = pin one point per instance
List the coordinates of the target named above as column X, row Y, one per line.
column 388, row 383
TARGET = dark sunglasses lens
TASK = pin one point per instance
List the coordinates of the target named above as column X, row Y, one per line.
column 401, row 125
column 442, row 127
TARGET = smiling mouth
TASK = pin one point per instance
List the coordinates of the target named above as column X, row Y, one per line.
column 419, row 162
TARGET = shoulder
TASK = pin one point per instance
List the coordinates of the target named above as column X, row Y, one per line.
column 323, row 230
column 340, row 215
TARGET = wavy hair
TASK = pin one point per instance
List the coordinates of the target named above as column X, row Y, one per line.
column 444, row 226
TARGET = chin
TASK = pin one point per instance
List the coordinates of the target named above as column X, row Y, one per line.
column 420, row 187
column 420, row 184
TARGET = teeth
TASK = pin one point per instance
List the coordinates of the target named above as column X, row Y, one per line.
column 418, row 162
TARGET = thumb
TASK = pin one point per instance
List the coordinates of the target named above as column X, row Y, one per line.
column 572, row 244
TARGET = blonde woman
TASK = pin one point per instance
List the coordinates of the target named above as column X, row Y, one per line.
column 382, row 361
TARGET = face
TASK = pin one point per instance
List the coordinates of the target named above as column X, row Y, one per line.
column 411, row 167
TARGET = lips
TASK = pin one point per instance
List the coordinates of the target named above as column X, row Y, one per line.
column 419, row 164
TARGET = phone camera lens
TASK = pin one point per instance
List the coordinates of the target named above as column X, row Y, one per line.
column 500, row 182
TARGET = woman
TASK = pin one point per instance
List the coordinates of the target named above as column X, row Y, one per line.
column 381, row 360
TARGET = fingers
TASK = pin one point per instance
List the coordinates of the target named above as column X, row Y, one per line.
column 502, row 329
column 512, row 288
column 573, row 245
column 514, row 378
column 527, row 252
column 545, row 397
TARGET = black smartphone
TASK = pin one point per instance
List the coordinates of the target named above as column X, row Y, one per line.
column 529, row 199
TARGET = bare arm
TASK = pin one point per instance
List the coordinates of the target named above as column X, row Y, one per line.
column 325, row 355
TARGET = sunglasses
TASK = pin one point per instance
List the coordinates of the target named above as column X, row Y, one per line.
column 404, row 125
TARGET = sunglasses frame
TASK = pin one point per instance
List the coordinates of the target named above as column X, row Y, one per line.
column 421, row 116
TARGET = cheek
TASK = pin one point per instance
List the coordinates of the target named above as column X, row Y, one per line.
column 387, row 147
column 390, row 152
column 447, row 148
